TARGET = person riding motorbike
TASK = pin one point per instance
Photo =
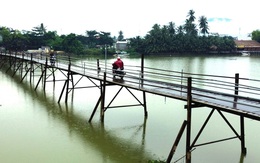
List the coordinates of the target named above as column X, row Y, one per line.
column 118, row 67
column 52, row 57
column 118, row 64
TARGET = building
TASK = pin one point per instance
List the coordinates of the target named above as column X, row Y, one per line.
column 42, row 50
column 247, row 45
column 121, row 45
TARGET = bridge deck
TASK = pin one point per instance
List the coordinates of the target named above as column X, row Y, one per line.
column 207, row 90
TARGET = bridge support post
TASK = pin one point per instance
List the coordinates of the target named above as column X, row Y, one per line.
column 242, row 122
column 176, row 142
column 31, row 69
column 103, row 92
column 68, row 81
column 188, row 134
column 242, row 135
column 144, row 104
column 141, row 78
column 22, row 66
column 45, row 74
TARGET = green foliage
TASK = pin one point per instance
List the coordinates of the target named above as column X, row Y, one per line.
column 72, row 45
column 14, row 40
column 256, row 35
column 39, row 31
column 183, row 39
column 186, row 38
column 203, row 25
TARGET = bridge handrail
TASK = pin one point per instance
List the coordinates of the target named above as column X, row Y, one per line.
column 223, row 84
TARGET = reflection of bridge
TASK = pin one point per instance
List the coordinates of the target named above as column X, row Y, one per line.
column 235, row 95
column 96, row 134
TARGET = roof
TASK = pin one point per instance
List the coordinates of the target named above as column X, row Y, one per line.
column 247, row 43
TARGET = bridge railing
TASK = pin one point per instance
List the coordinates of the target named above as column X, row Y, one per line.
column 233, row 86
column 158, row 78
column 167, row 79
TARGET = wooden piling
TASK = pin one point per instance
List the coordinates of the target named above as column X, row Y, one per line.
column 45, row 74
column 188, row 135
column 176, row 142
column 67, row 81
column 103, row 92
column 242, row 135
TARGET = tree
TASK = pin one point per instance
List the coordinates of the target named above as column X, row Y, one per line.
column 53, row 40
column 154, row 39
column 137, row 44
column 191, row 17
column 256, row 35
column 18, row 41
column 6, row 36
column 171, row 28
column 121, row 36
column 105, row 38
column 180, row 30
column 72, row 45
column 92, row 37
column 39, row 30
column 203, row 25
column 189, row 26
column 13, row 39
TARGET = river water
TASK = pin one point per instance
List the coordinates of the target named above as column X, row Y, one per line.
column 35, row 128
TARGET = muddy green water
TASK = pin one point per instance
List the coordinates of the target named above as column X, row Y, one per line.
column 34, row 128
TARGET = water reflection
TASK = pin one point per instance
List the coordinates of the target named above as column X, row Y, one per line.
column 242, row 156
column 108, row 144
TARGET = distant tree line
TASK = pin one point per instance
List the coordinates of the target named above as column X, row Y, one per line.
column 187, row 38
column 15, row 40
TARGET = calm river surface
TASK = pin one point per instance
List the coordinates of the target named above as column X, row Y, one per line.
column 35, row 129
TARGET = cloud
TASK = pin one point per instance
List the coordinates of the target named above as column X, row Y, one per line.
column 219, row 19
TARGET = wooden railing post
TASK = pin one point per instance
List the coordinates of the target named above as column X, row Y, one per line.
column 236, row 83
column 98, row 67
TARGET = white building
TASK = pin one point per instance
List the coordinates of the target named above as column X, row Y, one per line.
column 122, row 45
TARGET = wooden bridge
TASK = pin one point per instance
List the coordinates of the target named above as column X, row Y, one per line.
column 235, row 95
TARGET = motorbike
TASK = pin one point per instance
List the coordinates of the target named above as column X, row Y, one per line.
column 119, row 73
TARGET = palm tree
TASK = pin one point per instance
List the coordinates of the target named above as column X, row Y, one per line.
column 121, row 36
column 191, row 16
column 154, row 39
column 189, row 25
column 180, row 30
column 203, row 25
column 40, row 30
column 190, row 28
column 171, row 28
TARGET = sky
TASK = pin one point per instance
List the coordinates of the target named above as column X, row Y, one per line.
column 132, row 17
